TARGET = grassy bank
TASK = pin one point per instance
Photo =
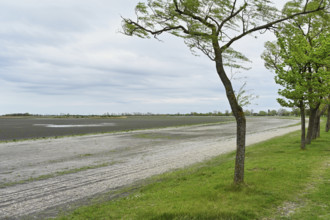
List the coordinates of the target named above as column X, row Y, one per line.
column 282, row 182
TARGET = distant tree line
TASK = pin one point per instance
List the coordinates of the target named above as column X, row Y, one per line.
column 295, row 112
column 19, row 115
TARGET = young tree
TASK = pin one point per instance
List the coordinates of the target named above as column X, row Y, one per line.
column 290, row 74
column 319, row 70
column 321, row 57
column 212, row 26
column 298, row 59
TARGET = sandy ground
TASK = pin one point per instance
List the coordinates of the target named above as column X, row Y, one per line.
column 110, row 161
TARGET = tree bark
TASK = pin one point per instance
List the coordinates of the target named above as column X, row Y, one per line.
column 240, row 122
column 303, row 126
column 318, row 133
column 315, row 133
column 327, row 126
column 319, row 114
column 317, row 123
column 311, row 124
column 240, row 148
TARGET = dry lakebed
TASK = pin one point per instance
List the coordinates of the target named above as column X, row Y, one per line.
column 39, row 178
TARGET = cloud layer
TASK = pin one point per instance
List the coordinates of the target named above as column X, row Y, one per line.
column 69, row 57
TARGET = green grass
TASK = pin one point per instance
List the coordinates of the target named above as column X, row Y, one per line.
column 277, row 172
column 317, row 204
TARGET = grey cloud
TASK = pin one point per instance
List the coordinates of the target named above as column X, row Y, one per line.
column 69, row 52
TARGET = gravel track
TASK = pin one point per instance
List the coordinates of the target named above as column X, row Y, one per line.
column 121, row 158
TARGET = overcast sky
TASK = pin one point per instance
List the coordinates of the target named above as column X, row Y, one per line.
column 67, row 56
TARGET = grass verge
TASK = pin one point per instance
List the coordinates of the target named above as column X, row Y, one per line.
column 277, row 173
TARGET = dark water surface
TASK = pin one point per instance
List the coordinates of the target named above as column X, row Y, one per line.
column 27, row 128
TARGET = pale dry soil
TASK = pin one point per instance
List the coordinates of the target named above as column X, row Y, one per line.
column 39, row 175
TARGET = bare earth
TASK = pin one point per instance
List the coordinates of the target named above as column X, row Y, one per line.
column 110, row 161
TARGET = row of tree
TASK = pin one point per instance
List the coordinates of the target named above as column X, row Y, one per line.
column 280, row 112
column 300, row 58
column 212, row 27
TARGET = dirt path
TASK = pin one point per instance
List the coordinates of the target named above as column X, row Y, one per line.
column 61, row 171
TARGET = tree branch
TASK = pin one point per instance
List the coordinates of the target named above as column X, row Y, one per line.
column 300, row 28
column 191, row 15
column 232, row 15
column 267, row 26
column 208, row 52
column 305, row 8
column 215, row 21
column 166, row 29
column 234, row 6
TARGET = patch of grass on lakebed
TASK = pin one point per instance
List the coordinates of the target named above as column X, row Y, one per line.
column 277, row 172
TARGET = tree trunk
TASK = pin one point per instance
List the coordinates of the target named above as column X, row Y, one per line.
column 240, row 122
column 318, row 134
column 327, row 126
column 303, row 126
column 317, row 127
column 310, row 126
column 316, row 124
column 240, row 148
